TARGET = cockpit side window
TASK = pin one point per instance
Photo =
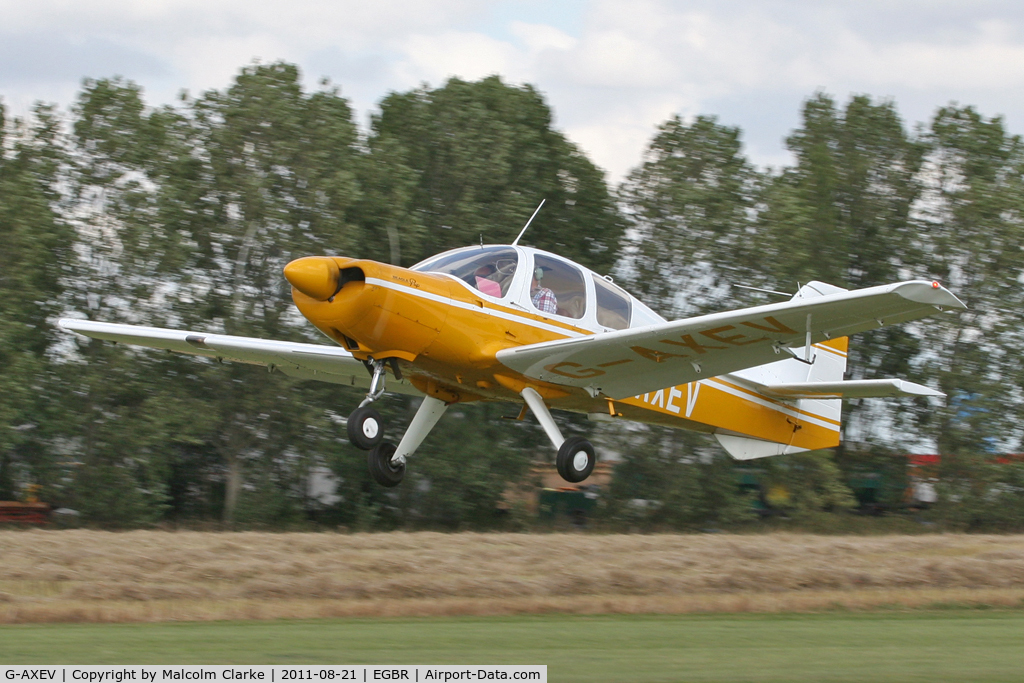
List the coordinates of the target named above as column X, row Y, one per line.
column 489, row 270
column 557, row 288
column 613, row 305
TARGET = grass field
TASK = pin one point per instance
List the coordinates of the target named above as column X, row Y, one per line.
column 92, row 576
column 923, row 646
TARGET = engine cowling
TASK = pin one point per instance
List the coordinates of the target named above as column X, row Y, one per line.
column 369, row 307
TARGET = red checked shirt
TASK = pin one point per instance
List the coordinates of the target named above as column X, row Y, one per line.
column 544, row 300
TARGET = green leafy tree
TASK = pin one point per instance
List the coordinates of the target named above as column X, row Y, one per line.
column 128, row 421
column 972, row 216
column 704, row 219
column 280, row 174
column 473, row 160
column 843, row 214
column 203, row 206
column 690, row 206
column 36, row 246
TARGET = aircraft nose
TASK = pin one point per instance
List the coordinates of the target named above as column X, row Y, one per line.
column 314, row 276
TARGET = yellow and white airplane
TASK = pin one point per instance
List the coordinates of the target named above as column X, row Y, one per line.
column 517, row 324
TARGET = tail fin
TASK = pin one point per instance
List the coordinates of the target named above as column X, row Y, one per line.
column 828, row 364
column 829, row 358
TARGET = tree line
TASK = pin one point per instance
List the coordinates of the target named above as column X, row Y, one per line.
column 183, row 216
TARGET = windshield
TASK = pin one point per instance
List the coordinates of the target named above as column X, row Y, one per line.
column 489, row 269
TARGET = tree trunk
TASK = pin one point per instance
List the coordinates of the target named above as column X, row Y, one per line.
column 233, row 484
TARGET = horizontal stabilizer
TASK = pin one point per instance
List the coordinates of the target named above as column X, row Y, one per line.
column 863, row 388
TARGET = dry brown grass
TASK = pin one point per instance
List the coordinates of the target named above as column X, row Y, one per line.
column 155, row 576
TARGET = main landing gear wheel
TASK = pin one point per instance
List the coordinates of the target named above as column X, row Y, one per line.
column 576, row 459
column 365, row 428
column 382, row 469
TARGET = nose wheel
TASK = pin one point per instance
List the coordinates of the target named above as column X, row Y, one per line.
column 385, row 469
column 366, row 430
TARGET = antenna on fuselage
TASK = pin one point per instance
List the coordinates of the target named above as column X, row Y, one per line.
column 529, row 221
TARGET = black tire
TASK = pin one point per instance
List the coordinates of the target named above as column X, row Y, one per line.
column 576, row 459
column 383, row 471
column 365, row 428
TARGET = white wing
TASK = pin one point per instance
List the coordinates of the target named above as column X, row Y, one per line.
column 303, row 361
column 635, row 361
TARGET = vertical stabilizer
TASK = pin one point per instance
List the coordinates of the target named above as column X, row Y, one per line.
column 829, row 365
column 829, row 357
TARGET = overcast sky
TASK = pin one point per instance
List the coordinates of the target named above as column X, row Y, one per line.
column 611, row 70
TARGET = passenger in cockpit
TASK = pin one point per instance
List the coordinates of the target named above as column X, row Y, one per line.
column 543, row 298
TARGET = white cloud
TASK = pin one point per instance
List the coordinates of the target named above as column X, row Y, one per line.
column 617, row 59
column 611, row 69
column 621, row 134
column 698, row 55
column 988, row 60
column 434, row 58
column 206, row 64
column 540, row 38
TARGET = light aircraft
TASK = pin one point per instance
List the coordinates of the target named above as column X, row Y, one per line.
column 518, row 324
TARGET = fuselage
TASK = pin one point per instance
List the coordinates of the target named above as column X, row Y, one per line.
column 445, row 320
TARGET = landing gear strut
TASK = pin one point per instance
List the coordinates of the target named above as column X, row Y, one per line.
column 387, row 462
column 576, row 458
column 365, row 427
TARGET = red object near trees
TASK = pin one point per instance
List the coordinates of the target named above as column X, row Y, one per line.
column 24, row 513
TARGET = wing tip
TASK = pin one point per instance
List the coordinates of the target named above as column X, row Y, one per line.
column 925, row 292
column 914, row 389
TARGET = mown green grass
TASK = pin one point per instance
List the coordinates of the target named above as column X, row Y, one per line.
column 929, row 646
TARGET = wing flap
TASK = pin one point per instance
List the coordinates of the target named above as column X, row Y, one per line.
column 635, row 361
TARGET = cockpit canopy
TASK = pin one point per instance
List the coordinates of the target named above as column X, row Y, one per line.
column 542, row 282
column 490, row 270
